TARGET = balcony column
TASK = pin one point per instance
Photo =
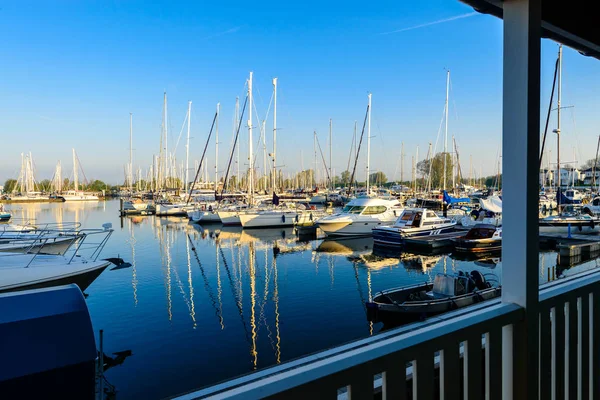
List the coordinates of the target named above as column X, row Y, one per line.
column 520, row 144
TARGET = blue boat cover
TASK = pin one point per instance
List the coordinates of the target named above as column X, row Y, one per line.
column 565, row 200
column 452, row 200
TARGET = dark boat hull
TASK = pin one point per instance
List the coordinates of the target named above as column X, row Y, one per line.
column 388, row 237
column 395, row 313
column 477, row 245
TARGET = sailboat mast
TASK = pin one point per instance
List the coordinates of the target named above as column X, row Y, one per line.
column 368, row 144
column 217, row 148
column 75, row 178
column 237, row 121
column 130, row 153
column 557, row 130
column 454, row 168
column 330, row 151
column 274, row 184
column 402, row 162
column 446, row 128
column 167, row 158
column 315, row 151
column 250, row 155
column 187, row 147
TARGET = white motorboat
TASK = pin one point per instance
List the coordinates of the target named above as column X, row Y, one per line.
column 73, row 195
column 201, row 217
column 360, row 216
column 173, row 210
column 412, row 223
column 268, row 218
column 569, row 221
column 137, row 207
column 22, row 271
column 26, row 271
column 546, row 203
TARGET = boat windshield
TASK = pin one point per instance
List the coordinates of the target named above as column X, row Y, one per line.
column 480, row 233
column 407, row 216
column 443, row 285
column 372, row 210
column 353, row 209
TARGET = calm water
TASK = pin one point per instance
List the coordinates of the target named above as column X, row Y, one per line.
column 202, row 305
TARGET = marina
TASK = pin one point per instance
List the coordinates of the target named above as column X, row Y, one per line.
column 190, row 286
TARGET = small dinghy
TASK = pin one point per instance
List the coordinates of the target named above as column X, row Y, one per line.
column 446, row 292
column 481, row 238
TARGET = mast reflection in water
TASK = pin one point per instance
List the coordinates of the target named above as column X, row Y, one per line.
column 200, row 305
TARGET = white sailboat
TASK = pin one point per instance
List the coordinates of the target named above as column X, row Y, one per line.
column 76, row 194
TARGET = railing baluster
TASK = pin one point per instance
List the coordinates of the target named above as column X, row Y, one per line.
column 361, row 386
column 493, row 364
column 450, row 372
column 558, row 320
column 572, row 349
column 545, row 354
column 423, row 377
column 394, row 382
column 596, row 344
column 584, row 346
column 472, row 370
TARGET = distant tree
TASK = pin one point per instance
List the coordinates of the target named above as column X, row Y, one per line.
column 345, row 177
column 10, row 185
column 44, row 185
column 436, row 167
column 97, row 186
column 377, row 178
column 492, row 181
column 66, row 184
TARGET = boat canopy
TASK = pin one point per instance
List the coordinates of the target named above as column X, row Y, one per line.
column 492, row 203
column 453, row 200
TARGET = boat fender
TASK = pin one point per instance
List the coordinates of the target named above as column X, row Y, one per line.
column 283, row 218
column 580, row 228
column 592, row 224
column 310, row 217
column 297, row 218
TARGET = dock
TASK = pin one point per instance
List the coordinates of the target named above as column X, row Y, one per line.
column 434, row 242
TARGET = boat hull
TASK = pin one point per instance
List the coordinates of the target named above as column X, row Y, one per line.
column 55, row 246
column 268, row 219
column 350, row 228
column 575, row 227
column 81, row 274
column 229, row 218
column 389, row 236
column 477, row 245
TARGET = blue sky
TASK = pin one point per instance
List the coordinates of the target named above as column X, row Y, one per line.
column 73, row 71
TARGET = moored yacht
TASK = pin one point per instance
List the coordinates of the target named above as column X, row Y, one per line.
column 480, row 238
column 360, row 216
column 413, row 222
column 569, row 221
column 268, row 218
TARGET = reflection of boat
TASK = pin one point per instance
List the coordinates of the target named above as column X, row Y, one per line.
column 373, row 261
column 360, row 216
column 345, row 247
column 445, row 293
column 481, row 238
column 481, row 256
column 489, row 262
column 419, row 262
column 414, row 222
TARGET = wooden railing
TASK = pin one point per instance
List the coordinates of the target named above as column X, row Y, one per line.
column 458, row 355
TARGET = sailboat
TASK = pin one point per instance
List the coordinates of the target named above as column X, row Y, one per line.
column 76, row 194
column 569, row 219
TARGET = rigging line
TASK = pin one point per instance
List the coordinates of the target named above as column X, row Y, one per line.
column 323, row 157
column 548, row 115
column 381, row 139
column 351, row 148
column 358, row 151
column 201, row 160
column 577, row 141
column 234, row 145
column 180, row 133
column 435, row 147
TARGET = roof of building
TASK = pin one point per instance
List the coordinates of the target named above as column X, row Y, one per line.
column 574, row 25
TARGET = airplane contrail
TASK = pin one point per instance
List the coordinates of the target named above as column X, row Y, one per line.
column 440, row 21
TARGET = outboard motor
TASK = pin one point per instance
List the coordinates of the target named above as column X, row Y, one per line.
column 479, row 280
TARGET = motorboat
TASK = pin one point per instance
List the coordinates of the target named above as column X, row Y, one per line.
column 546, row 203
column 4, row 215
column 413, row 222
column 480, row 238
column 360, row 216
column 593, row 207
column 268, row 218
column 23, row 271
column 137, row 207
column 447, row 292
column 570, row 220
column 76, row 195
column 169, row 209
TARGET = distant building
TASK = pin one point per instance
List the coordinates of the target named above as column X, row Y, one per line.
column 568, row 176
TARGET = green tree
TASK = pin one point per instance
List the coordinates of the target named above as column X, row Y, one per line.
column 66, row 184
column 97, row 186
column 44, row 185
column 345, row 177
column 436, row 167
column 377, row 178
column 10, row 185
